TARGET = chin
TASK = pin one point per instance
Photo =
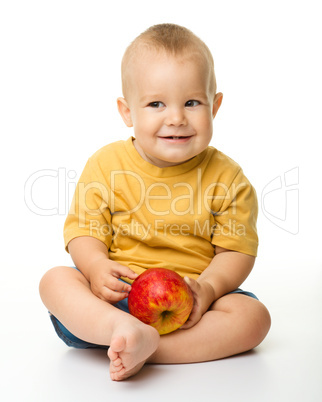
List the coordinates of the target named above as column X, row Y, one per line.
column 172, row 162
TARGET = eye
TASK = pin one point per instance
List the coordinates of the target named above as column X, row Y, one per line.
column 192, row 103
column 156, row 104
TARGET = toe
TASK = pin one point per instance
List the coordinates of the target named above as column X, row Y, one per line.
column 112, row 355
column 117, row 375
column 117, row 362
column 118, row 344
column 116, row 369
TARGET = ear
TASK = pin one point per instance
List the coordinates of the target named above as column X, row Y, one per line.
column 124, row 111
column 216, row 104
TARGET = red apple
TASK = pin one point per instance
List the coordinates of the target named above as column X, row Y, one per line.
column 161, row 298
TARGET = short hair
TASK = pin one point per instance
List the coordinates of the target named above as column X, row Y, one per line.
column 173, row 39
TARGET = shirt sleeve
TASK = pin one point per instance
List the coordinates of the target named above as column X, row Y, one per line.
column 235, row 211
column 89, row 214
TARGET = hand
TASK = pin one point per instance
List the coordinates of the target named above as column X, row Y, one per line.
column 202, row 293
column 104, row 275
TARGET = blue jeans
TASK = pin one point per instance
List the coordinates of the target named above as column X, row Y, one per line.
column 72, row 341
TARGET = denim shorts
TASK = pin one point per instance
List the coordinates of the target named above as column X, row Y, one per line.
column 72, row 341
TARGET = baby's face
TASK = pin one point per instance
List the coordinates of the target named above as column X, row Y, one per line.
column 171, row 108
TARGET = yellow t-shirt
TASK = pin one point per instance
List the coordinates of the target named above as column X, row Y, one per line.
column 171, row 217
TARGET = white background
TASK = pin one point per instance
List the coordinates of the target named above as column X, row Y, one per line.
column 59, row 80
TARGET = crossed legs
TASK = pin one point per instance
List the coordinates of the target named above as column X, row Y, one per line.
column 235, row 323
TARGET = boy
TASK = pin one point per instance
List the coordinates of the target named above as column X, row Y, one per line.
column 162, row 199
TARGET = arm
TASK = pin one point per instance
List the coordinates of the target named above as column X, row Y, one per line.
column 226, row 272
column 90, row 256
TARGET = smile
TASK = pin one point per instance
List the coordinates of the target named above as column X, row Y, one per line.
column 173, row 138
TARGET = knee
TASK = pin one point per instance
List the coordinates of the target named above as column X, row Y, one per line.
column 260, row 321
column 52, row 280
column 48, row 281
column 58, row 280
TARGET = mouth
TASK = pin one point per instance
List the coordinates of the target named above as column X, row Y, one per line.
column 174, row 138
column 177, row 138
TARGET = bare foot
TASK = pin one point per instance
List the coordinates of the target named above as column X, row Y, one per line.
column 130, row 347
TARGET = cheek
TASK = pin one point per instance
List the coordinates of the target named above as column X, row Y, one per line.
column 210, row 122
column 145, row 122
column 204, row 123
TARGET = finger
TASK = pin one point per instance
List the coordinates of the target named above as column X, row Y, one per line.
column 185, row 326
column 117, row 285
column 188, row 324
column 121, row 270
column 112, row 296
column 192, row 320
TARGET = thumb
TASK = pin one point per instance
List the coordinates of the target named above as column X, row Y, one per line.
column 187, row 280
column 191, row 283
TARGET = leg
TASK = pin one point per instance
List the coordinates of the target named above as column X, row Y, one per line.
column 234, row 324
column 67, row 295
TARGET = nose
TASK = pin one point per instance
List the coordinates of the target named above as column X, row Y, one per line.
column 175, row 117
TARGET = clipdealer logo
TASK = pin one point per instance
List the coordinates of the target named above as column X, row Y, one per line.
column 280, row 201
column 279, row 197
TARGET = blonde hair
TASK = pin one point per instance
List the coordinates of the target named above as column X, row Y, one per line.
column 173, row 39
